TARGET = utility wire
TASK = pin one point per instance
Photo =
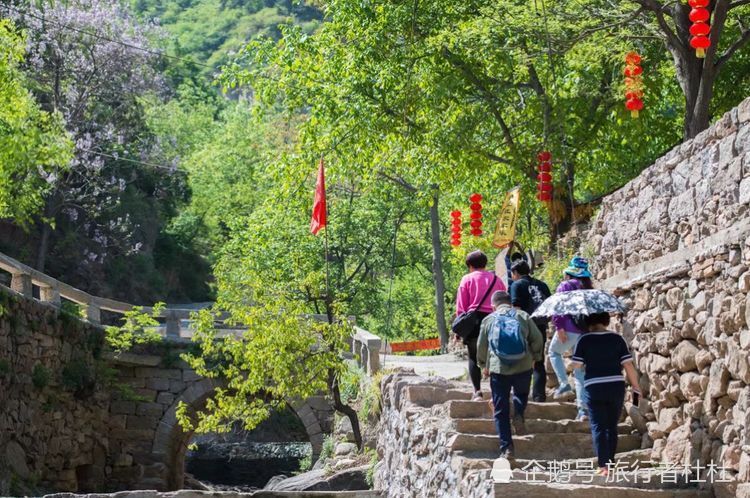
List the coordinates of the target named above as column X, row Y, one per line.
column 135, row 161
column 105, row 38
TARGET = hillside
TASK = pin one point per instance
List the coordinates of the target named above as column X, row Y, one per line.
column 209, row 31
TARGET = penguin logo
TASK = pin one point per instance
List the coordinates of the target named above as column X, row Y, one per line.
column 501, row 471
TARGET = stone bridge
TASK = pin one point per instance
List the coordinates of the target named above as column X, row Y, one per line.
column 75, row 417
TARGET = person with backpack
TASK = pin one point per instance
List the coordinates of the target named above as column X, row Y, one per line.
column 472, row 306
column 508, row 345
column 527, row 293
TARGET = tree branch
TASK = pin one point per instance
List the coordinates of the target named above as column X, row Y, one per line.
column 658, row 9
column 741, row 42
column 398, row 181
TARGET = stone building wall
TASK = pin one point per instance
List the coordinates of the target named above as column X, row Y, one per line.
column 675, row 244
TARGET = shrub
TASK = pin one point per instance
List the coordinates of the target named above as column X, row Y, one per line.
column 78, row 378
column 351, row 382
column 40, row 376
column 371, row 399
column 305, row 464
column 370, row 475
column 329, row 445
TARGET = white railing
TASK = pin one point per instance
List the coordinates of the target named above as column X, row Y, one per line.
column 366, row 349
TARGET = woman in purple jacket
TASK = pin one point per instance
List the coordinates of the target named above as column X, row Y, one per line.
column 567, row 333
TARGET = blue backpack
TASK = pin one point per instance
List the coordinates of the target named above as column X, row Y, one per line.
column 506, row 338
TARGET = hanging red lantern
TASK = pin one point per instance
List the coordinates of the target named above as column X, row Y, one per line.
column 700, row 29
column 456, row 227
column 544, row 178
column 633, row 83
column 476, row 214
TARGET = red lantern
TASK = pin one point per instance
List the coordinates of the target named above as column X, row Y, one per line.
column 633, row 83
column 700, row 29
column 456, row 228
column 544, row 178
column 476, row 214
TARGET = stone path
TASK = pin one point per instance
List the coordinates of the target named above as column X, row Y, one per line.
column 554, row 456
column 447, row 365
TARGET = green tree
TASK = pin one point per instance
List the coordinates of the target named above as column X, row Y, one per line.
column 33, row 143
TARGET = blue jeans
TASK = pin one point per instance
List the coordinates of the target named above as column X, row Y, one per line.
column 556, row 350
column 605, row 407
column 501, row 386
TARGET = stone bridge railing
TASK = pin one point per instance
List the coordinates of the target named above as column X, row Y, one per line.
column 365, row 345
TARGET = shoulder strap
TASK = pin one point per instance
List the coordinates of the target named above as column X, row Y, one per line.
column 487, row 292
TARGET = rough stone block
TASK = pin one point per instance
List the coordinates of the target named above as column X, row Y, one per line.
column 141, row 422
column 157, row 384
column 122, row 407
column 149, row 409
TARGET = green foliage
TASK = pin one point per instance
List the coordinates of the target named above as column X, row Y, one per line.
column 79, row 378
column 209, row 31
column 40, row 376
column 138, row 328
column 371, row 402
column 370, row 475
column 328, row 447
column 33, row 143
column 351, row 382
column 305, row 464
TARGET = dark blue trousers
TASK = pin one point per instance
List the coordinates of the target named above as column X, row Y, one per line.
column 501, row 386
column 605, row 403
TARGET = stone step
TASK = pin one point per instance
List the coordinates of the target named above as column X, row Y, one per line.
column 483, row 409
column 533, row 426
column 555, row 490
column 538, row 446
column 427, row 395
column 630, row 460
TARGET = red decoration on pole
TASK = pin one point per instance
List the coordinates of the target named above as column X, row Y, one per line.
column 456, row 228
column 544, row 178
column 476, row 214
column 633, row 83
column 700, row 29
column 319, row 213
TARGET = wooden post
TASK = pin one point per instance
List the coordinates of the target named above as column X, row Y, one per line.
column 21, row 283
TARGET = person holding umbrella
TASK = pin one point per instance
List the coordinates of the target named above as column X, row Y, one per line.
column 567, row 333
column 604, row 354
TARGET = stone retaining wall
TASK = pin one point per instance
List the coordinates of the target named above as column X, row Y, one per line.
column 675, row 243
column 75, row 417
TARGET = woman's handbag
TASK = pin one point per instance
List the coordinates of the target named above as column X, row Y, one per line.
column 468, row 322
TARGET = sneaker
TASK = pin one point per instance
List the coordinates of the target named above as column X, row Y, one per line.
column 507, row 453
column 582, row 416
column 603, row 471
column 519, row 424
column 477, row 396
column 539, row 399
column 563, row 389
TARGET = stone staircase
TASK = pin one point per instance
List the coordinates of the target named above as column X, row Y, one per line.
column 554, row 457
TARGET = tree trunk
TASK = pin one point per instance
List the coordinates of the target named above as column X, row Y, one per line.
column 344, row 409
column 437, row 270
column 46, row 232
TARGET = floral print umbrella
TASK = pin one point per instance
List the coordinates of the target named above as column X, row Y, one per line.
column 580, row 302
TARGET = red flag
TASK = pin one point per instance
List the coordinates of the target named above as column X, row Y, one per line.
column 319, row 212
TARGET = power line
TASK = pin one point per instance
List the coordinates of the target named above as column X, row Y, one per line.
column 144, row 163
column 105, row 38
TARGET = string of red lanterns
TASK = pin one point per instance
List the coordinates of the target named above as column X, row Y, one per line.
column 476, row 214
column 456, row 227
column 544, row 178
column 699, row 30
column 633, row 83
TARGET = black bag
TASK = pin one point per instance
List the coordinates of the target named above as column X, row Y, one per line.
column 468, row 322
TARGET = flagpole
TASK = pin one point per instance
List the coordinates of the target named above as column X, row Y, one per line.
column 328, row 269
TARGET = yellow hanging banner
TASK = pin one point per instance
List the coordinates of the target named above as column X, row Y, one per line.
column 505, row 231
